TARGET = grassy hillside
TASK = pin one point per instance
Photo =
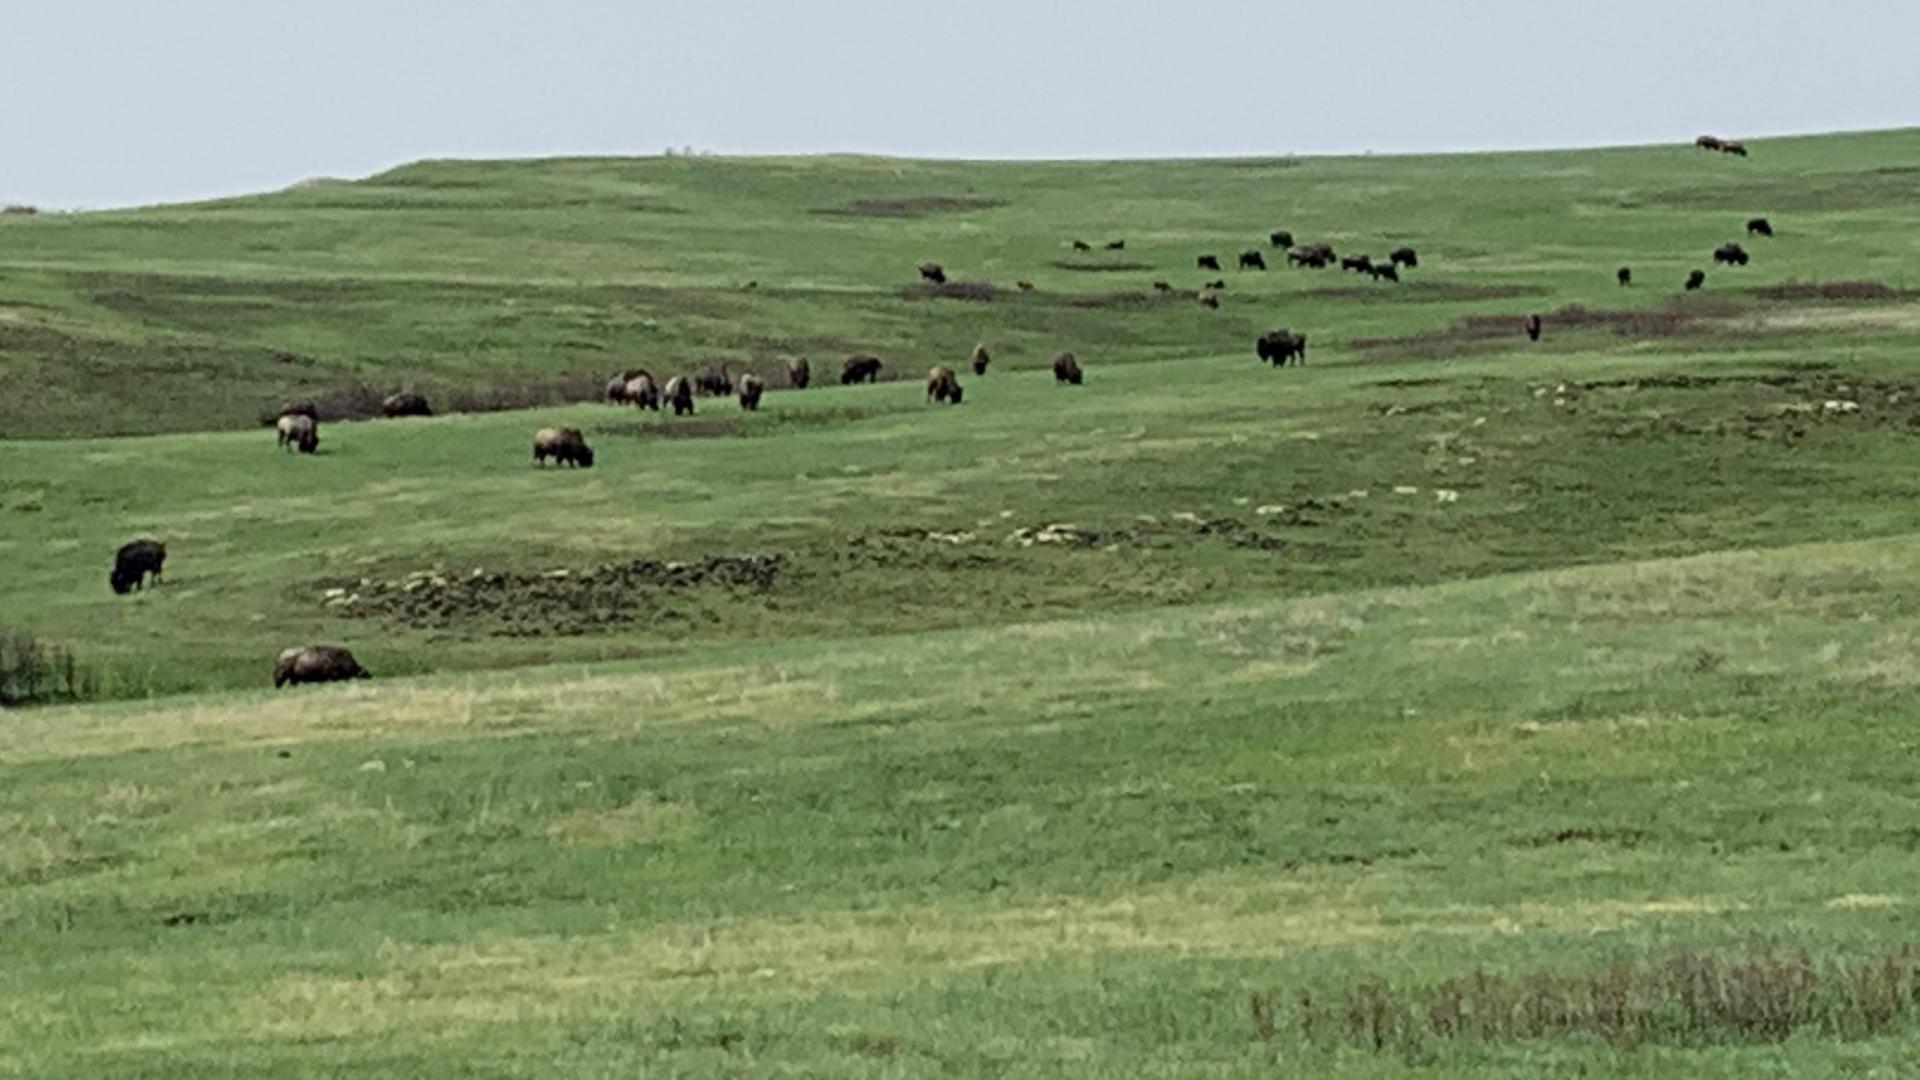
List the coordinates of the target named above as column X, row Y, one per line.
column 1450, row 706
column 462, row 276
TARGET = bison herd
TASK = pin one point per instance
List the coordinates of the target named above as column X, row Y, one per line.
column 296, row 425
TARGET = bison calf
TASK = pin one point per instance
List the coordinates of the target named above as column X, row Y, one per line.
column 316, row 664
column 565, row 445
column 134, row 562
column 1534, row 326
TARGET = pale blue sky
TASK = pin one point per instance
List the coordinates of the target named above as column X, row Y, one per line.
column 110, row 102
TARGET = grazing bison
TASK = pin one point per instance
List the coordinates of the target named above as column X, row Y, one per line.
column 1066, row 369
column 1534, row 326
column 799, row 372
column 1220, row 284
column 565, row 445
column 134, row 562
column 1251, row 260
column 297, row 431
column 1759, row 227
column 1024, row 286
column 1208, row 300
column 934, row 273
column 942, row 385
column 1117, row 245
column 1696, row 279
column 617, row 389
column 1625, row 276
column 1280, row 346
column 1082, row 245
column 643, row 392
column 751, row 387
column 1737, row 149
column 980, row 359
column 714, row 381
column 1385, row 272
column 1358, row 263
column 1710, row 142
column 1280, row 238
column 1731, row 255
column 1316, row 256
column 1207, row 262
column 859, row 369
column 405, row 403
column 1404, row 256
column 679, row 394
column 316, row 664
column 1162, row 286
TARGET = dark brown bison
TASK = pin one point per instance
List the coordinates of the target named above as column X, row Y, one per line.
column 565, row 445
column 1280, row 238
column 300, row 408
column 316, row 664
column 751, row 387
column 1082, row 245
column 1207, row 262
column 1404, row 256
column 1278, row 347
column 1737, row 149
column 1358, row 263
column 934, row 273
column 134, row 562
column 642, row 392
column 1024, row 286
column 1625, row 276
column 943, row 385
column 405, row 403
column 1696, row 279
column 1217, row 285
column 859, row 369
column 1252, row 260
column 1385, row 272
column 679, row 394
column 1759, row 227
column 1162, row 286
column 1534, row 326
column 1117, row 245
column 617, row 390
column 1731, row 255
column 799, row 372
column 1314, row 256
column 1710, row 142
column 714, row 381
column 1066, row 369
column 297, row 431
column 1208, row 300
column 980, row 359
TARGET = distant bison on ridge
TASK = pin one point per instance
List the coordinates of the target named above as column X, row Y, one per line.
column 134, row 562
column 859, row 369
column 1278, row 347
column 405, row 403
column 316, row 664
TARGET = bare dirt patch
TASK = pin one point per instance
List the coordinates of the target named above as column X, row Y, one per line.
column 1831, row 290
column 1468, row 334
column 1101, row 267
column 557, row 603
column 1426, row 292
column 978, row 291
column 916, row 206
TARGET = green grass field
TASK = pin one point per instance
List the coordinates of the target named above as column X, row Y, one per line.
column 1207, row 719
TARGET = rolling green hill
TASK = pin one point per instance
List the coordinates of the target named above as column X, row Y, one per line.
column 1451, row 705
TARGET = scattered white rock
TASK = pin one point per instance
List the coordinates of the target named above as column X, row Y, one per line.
column 334, row 594
column 1271, row 509
column 1404, row 489
column 376, row 765
column 1358, row 493
column 1189, row 518
column 1841, row 406
column 1479, row 421
column 1243, row 501
column 951, row 538
column 1446, row 495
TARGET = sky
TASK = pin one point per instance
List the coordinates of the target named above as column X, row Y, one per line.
column 126, row 102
